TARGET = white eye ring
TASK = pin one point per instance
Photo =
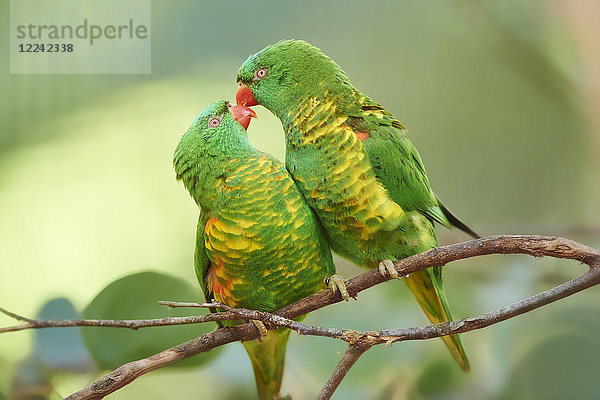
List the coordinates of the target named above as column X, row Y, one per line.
column 214, row 122
column 260, row 73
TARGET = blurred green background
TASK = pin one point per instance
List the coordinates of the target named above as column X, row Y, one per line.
column 501, row 98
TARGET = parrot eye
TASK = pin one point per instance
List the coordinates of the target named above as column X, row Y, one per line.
column 213, row 122
column 260, row 73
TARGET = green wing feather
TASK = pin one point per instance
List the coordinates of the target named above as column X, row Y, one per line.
column 398, row 165
column 395, row 160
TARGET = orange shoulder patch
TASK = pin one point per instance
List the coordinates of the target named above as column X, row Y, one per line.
column 362, row 135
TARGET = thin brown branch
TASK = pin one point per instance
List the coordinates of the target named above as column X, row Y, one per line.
column 231, row 313
column 537, row 246
column 108, row 323
column 388, row 336
column 179, row 304
column 352, row 354
column 15, row 316
column 278, row 320
column 582, row 282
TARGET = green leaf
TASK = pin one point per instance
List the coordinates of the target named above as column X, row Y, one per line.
column 61, row 348
column 135, row 297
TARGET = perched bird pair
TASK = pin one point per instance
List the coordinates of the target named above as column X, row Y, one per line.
column 352, row 181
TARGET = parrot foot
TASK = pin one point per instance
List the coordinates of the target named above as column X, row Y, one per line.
column 262, row 329
column 335, row 283
column 387, row 267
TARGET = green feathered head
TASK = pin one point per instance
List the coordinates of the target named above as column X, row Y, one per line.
column 217, row 132
column 281, row 74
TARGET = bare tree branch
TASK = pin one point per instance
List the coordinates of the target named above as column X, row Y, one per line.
column 352, row 354
column 231, row 313
column 108, row 323
column 537, row 246
column 179, row 304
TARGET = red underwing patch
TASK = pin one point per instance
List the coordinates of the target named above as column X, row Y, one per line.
column 362, row 135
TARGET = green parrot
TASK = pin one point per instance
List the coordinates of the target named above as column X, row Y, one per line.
column 258, row 246
column 355, row 166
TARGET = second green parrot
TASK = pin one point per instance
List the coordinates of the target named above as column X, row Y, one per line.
column 354, row 165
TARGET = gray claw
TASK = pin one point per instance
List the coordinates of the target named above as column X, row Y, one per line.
column 261, row 328
column 335, row 283
column 387, row 267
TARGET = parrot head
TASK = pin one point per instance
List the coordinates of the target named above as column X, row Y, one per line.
column 215, row 137
column 279, row 75
column 225, row 115
column 219, row 128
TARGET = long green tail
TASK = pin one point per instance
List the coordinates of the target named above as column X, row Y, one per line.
column 431, row 297
column 268, row 360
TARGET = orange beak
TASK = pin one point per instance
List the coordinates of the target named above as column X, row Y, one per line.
column 242, row 114
column 244, row 96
